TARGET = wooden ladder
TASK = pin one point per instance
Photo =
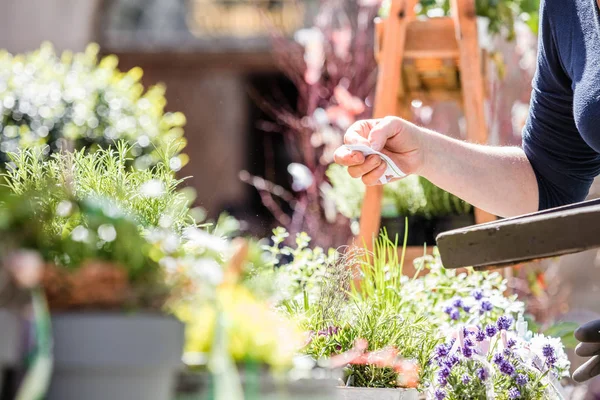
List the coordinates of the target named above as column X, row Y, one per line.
column 402, row 40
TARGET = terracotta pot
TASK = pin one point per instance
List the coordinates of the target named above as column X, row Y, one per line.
column 357, row 393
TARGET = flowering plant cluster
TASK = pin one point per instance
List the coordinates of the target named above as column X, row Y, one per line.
column 498, row 361
column 398, row 318
column 74, row 100
column 452, row 298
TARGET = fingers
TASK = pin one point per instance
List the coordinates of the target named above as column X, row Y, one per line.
column 588, row 370
column 385, row 129
column 358, row 132
column 371, row 162
column 587, row 349
column 372, row 178
column 589, row 332
column 348, row 158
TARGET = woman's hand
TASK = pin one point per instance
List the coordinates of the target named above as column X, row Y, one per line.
column 499, row 180
column 398, row 139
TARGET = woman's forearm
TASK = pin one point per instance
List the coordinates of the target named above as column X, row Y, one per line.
column 499, row 180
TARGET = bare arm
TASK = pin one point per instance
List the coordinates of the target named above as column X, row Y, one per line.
column 499, row 180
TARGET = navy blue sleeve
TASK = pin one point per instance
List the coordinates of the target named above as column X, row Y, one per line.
column 563, row 163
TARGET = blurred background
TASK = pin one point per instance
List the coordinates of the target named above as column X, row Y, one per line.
column 235, row 69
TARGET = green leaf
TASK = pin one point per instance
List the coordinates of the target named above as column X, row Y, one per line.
column 564, row 331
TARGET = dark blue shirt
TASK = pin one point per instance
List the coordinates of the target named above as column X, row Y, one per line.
column 562, row 136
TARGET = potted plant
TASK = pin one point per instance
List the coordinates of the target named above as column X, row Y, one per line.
column 362, row 328
column 15, row 217
column 74, row 100
column 357, row 329
column 93, row 281
column 427, row 209
column 96, row 266
column 232, row 356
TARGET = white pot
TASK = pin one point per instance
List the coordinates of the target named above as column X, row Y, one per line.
column 358, row 393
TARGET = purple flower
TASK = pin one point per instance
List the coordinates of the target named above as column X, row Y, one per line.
column 451, row 361
column 477, row 294
column 469, row 342
column 467, row 332
column 440, row 394
column 467, row 308
column 511, row 343
column 507, row 352
column 551, row 361
column 486, row 305
column 504, row 323
column 514, row 393
column 521, row 380
column 467, row 352
column 548, row 350
column 480, row 336
column 448, row 310
column 466, row 379
column 442, row 350
column 457, row 302
column 507, row 368
column 330, row 331
column 455, row 314
column 491, row 330
column 445, row 372
column 442, row 380
column 498, row 359
column 482, row 374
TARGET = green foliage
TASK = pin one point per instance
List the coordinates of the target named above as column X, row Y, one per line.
column 150, row 196
column 410, row 196
column 300, row 280
column 502, row 14
column 93, row 229
column 74, row 101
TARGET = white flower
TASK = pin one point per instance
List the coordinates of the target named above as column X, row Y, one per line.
column 153, row 188
column 301, row 175
column 80, row 234
column 539, row 341
column 208, row 271
column 203, row 239
column 64, row 208
column 107, row 232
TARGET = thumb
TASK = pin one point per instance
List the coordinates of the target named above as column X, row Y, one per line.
column 384, row 130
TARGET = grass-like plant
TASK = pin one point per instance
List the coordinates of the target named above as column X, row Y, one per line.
column 150, row 196
column 337, row 313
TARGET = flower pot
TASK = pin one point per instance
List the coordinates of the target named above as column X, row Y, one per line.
column 10, row 344
column 199, row 386
column 359, row 393
column 99, row 356
column 395, row 227
column 449, row 223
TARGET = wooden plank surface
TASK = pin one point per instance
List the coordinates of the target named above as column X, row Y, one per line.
column 550, row 233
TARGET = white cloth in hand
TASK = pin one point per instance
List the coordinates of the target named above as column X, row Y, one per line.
column 391, row 172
